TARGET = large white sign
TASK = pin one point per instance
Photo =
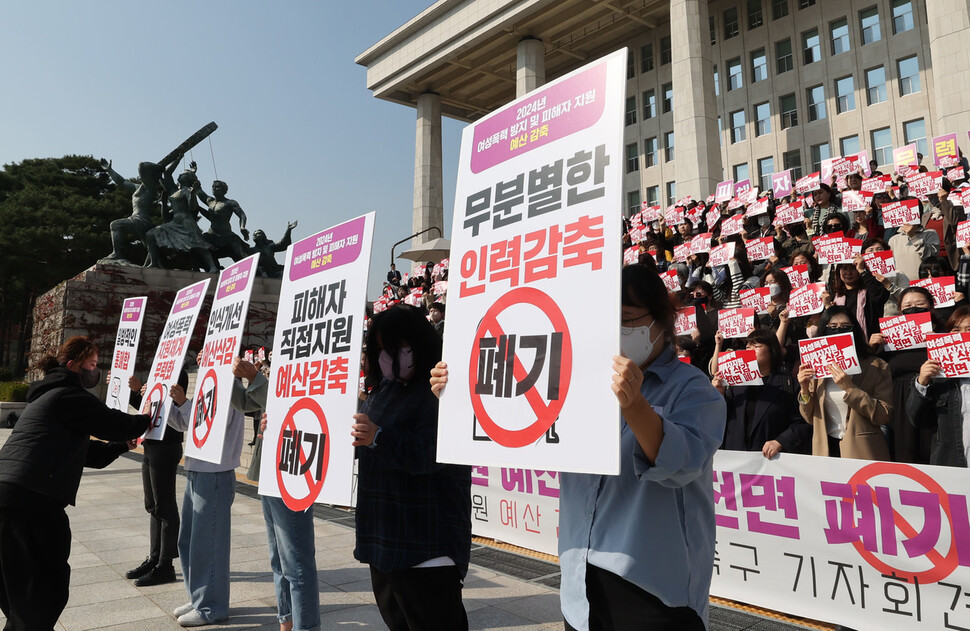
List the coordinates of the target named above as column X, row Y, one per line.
column 213, row 388
column 307, row 451
column 126, row 352
column 170, row 355
column 537, row 215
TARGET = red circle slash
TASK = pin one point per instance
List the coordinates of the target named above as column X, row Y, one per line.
column 546, row 413
column 161, row 390
column 313, row 486
column 208, row 412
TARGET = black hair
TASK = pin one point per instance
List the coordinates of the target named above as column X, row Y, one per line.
column 769, row 339
column 861, row 343
column 781, row 278
column 402, row 325
column 642, row 287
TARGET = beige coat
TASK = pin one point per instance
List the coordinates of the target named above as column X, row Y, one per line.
column 870, row 405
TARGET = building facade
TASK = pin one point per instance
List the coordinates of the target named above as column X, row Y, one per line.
column 721, row 89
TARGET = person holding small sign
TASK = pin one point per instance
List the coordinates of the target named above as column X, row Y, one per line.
column 637, row 549
column 846, row 411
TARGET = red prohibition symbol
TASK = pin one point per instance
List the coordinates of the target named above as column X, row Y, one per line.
column 153, row 404
column 205, row 407
column 546, row 413
column 292, row 501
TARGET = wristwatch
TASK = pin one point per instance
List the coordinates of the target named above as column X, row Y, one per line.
column 373, row 442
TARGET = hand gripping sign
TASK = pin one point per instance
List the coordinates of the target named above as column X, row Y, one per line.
column 739, row 368
column 125, row 353
column 227, row 320
column 906, row 331
column 307, row 452
column 822, row 352
column 170, row 355
column 952, row 351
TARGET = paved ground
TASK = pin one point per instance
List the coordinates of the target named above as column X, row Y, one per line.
column 503, row 591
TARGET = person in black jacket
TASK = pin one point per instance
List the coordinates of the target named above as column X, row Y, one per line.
column 40, row 470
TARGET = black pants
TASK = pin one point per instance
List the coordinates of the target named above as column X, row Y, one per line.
column 835, row 447
column 35, row 543
column 158, row 469
column 616, row 604
column 420, row 599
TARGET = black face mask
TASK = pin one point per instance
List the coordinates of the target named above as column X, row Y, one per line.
column 700, row 301
column 796, row 229
column 912, row 310
column 829, row 228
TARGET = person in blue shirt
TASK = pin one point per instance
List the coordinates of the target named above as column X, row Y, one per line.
column 637, row 549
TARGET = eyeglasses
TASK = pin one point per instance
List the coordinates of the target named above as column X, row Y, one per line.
column 841, row 328
column 629, row 322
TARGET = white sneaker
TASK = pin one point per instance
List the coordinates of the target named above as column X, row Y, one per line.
column 184, row 609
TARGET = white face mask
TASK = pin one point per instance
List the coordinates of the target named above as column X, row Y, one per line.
column 635, row 343
column 774, row 289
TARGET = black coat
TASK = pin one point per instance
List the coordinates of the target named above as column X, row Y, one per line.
column 776, row 417
column 51, row 444
column 941, row 410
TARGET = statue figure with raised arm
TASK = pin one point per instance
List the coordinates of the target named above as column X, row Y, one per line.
column 224, row 241
column 180, row 232
column 145, row 196
column 267, row 265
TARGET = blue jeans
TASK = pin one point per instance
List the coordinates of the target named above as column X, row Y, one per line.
column 204, row 541
column 292, row 556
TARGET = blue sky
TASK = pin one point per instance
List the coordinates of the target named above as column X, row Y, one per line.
column 299, row 138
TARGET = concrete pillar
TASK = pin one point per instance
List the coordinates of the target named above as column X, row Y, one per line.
column 428, row 202
column 530, row 67
column 697, row 154
column 949, row 22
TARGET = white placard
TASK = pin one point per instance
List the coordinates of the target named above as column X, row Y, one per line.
column 126, row 352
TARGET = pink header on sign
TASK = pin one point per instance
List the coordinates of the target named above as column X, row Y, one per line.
column 131, row 309
column 328, row 249
column 189, row 297
column 236, row 278
column 540, row 118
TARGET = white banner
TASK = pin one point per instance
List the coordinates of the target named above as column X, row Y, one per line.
column 535, row 219
column 517, row 506
column 213, row 387
column 170, row 355
column 307, row 451
column 126, row 352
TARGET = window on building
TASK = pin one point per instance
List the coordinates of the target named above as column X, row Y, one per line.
column 712, row 21
column 735, row 74
column 649, row 104
column 717, row 82
column 903, row 16
column 646, row 58
column 632, row 203
column 737, row 126
column 766, row 166
column 849, row 146
column 915, row 131
column 783, row 56
column 820, row 152
column 731, row 27
column 869, row 25
column 653, row 195
column 840, row 36
column 789, row 111
column 908, row 75
column 804, row 4
column 792, row 160
column 631, row 110
column 762, row 119
column 632, row 158
column 741, row 172
column 876, row 85
column 671, row 193
column 668, row 104
column 631, row 64
column 759, row 65
column 665, row 55
column 844, row 95
column 668, row 146
column 779, row 9
column 882, row 145
column 720, row 132
column 815, row 97
column 756, row 16
column 811, row 47
column 650, row 147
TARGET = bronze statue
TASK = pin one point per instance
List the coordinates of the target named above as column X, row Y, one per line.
column 224, row 241
column 267, row 265
column 145, row 196
column 180, row 232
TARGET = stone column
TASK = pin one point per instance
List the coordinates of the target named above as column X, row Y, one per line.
column 949, row 21
column 530, row 67
column 697, row 153
column 428, row 203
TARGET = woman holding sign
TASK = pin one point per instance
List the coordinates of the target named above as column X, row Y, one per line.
column 846, row 411
column 637, row 549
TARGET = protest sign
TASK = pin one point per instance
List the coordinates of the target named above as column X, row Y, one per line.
column 757, row 298
column 739, row 368
column 701, row 243
column 681, row 252
column 877, row 184
column 760, row 249
column 686, row 321
column 781, row 184
column 732, row 225
column 822, row 352
column 671, row 280
column 724, row 191
column 126, row 352
column 944, row 148
column 721, row 254
column 856, row 201
column 213, row 388
column 170, row 355
column 631, row 255
column 904, row 158
column 952, row 351
column 808, row 183
column 963, row 234
column 806, row 300
column 307, row 451
column 837, row 250
column 517, row 506
column 674, row 215
column 906, row 331
column 742, row 186
column 797, row 275
column 896, row 214
column 712, row 217
column 789, row 213
column 881, row 263
column 735, row 322
column 519, row 332
column 757, row 207
column 955, row 174
column 941, row 288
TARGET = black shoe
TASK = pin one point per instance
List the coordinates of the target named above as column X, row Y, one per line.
column 157, row 576
column 143, row 569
